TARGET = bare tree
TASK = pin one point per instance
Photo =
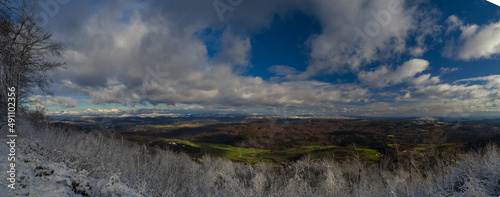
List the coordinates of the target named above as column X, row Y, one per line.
column 27, row 52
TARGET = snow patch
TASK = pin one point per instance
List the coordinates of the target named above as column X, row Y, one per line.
column 38, row 177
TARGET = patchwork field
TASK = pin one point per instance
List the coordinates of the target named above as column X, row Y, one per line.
column 254, row 155
column 283, row 141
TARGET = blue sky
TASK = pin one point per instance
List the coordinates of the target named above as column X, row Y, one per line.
column 348, row 58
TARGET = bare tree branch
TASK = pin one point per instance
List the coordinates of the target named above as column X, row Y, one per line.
column 27, row 51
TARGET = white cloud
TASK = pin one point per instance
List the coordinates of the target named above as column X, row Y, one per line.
column 465, row 98
column 444, row 90
column 102, row 111
column 63, row 113
column 475, row 41
column 468, row 31
column 424, row 80
column 453, row 23
column 187, row 107
column 360, row 32
column 162, row 61
column 417, row 51
column 112, row 57
column 234, row 50
column 481, row 43
column 492, row 81
column 460, row 99
column 383, row 76
column 110, row 94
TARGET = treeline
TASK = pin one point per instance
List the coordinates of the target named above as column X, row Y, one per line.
column 163, row 173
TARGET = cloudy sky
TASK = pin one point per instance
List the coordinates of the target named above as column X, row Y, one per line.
column 350, row 57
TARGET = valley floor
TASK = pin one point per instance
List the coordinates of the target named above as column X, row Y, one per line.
column 58, row 162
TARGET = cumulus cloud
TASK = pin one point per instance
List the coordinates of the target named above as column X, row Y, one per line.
column 357, row 33
column 159, row 52
column 481, row 42
column 475, row 41
column 127, row 57
column 233, row 50
column 383, row 76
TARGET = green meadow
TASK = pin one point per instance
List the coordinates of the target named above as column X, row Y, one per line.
column 254, row 155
